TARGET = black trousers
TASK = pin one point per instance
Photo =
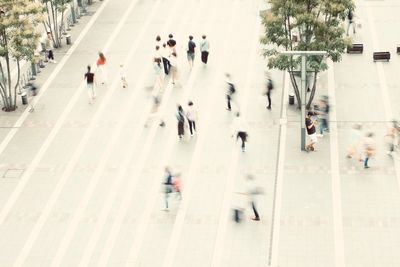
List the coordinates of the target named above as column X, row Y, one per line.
column 167, row 65
column 50, row 54
column 269, row 98
column 243, row 137
column 204, row 57
column 192, row 126
column 253, row 205
column 228, row 99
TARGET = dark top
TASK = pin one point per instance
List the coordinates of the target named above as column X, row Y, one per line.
column 191, row 46
column 309, row 130
column 89, row 77
column 171, row 42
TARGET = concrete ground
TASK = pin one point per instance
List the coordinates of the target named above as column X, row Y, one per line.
column 81, row 184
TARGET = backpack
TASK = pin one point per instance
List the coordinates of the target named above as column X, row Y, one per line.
column 232, row 88
column 270, row 85
column 350, row 15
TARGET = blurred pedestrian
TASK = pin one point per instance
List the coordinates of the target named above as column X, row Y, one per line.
column 369, row 148
column 350, row 18
column 191, row 51
column 191, row 115
column 269, row 88
column 89, row 77
column 177, row 184
column 230, row 94
column 154, row 112
column 49, row 48
column 180, row 116
column 122, row 75
column 253, row 191
column 392, row 137
column 174, row 67
column 354, row 149
column 239, row 129
column 311, row 132
column 204, row 49
column 323, row 113
column 171, row 43
column 158, row 41
column 168, row 186
column 102, row 69
column 157, row 59
column 165, row 58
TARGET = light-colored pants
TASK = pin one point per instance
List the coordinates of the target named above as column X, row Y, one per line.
column 91, row 91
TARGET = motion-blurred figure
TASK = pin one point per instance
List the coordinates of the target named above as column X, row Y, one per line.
column 354, row 149
column 89, row 77
column 122, row 75
column 191, row 51
column 392, row 137
column 239, row 129
column 230, row 93
column 253, row 191
column 167, row 185
column 369, row 148
column 311, row 132
column 323, row 114
column 269, row 87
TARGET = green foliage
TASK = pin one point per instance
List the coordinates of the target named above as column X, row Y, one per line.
column 317, row 25
column 18, row 40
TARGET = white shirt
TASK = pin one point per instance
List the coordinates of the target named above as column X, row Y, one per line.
column 173, row 60
column 191, row 113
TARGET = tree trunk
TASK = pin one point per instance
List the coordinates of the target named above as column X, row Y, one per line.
column 17, row 83
column 295, row 88
column 311, row 98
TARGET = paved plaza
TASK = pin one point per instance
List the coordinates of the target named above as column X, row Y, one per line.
column 81, row 184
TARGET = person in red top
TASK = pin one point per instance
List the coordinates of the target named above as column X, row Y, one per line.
column 101, row 67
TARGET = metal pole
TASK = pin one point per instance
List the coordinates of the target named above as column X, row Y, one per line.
column 303, row 102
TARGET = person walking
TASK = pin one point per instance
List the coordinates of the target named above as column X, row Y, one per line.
column 171, row 43
column 174, row 67
column 49, row 48
column 154, row 112
column 253, row 191
column 369, row 148
column 354, row 149
column 231, row 91
column 168, row 186
column 158, row 73
column 191, row 116
column 323, row 113
column 89, row 77
column 101, row 67
column 204, row 49
column 269, row 88
column 180, row 116
column 191, row 51
column 122, row 75
column 311, row 132
column 392, row 137
column 165, row 58
column 239, row 128
column 350, row 18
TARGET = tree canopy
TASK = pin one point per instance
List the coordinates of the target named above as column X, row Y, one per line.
column 304, row 25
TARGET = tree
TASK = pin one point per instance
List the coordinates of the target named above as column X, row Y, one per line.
column 18, row 41
column 304, row 25
column 54, row 9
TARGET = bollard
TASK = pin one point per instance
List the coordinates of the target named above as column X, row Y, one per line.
column 24, row 98
column 291, row 99
column 68, row 39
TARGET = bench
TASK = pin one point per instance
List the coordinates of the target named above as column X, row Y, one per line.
column 381, row 56
column 355, row 49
